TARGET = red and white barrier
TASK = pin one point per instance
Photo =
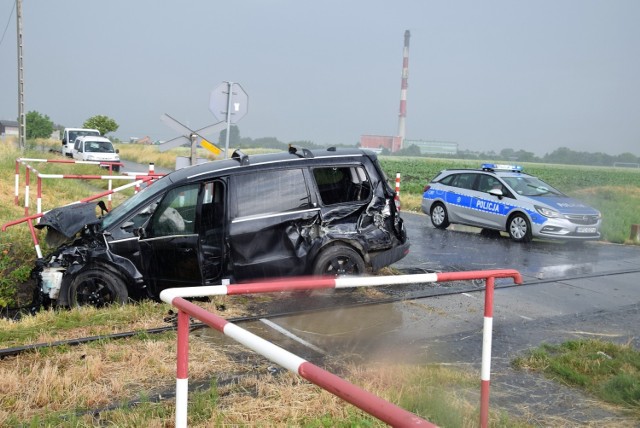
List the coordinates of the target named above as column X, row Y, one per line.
column 29, row 218
column 397, row 197
column 40, row 176
column 375, row 406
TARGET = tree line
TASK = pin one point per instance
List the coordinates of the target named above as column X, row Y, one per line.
column 40, row 126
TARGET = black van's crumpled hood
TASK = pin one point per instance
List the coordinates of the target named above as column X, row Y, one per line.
column 64, row 223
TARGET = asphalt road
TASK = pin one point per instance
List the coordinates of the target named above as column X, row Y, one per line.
column 589, row 290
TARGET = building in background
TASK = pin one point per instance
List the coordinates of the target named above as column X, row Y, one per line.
column 433, row 147
column 9, row 127
column 379, row 142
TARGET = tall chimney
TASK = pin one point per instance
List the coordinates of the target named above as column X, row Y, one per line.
column 403, row 88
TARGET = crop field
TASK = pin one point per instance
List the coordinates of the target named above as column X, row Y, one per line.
column 417, row 172
column 613, row 191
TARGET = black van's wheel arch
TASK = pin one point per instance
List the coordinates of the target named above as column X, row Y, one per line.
column 339, row 259
column 97, row 285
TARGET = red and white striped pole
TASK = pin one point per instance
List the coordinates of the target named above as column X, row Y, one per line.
column 17, row 180
column 182, row 370
column 39, row 196
column 485, row 372
column 26, row 192
column 370, row 403
column 397, row 197
column 175, row 296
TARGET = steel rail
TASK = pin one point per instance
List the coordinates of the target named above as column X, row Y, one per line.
column 13, row 351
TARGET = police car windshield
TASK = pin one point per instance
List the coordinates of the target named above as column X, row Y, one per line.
column 530, row 186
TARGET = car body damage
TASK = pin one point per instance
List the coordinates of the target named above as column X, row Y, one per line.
column 238, row 219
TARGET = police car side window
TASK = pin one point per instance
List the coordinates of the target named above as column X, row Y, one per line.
column 464, row 181
column 447, row 180
column 267, row 192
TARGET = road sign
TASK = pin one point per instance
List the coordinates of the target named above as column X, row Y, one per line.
column 188, row 133
column 229, row 108
column 211, row 147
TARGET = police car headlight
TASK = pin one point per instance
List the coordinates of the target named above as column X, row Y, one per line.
column 548, row 212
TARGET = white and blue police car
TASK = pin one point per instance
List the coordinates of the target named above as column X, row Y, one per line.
column 503, row 198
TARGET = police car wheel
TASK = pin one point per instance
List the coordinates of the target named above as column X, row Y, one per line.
column 519, row 228
column 439, row 216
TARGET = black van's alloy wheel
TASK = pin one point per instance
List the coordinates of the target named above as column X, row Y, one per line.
column 97, row 287
column 339, row 260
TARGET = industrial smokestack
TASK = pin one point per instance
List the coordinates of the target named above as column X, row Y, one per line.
column 403, row 88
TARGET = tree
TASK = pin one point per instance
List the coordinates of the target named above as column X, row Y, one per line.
column 234, row 136
column 38, row 125
column 102, row 123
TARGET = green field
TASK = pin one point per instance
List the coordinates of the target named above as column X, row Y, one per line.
column 613, row 191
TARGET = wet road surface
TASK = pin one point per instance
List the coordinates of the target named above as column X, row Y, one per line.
column 588, row 290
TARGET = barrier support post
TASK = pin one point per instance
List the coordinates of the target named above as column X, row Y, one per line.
column 17, row 180
column 487, row 332
column 182, row 370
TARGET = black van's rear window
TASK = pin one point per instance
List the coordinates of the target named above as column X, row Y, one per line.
column 267, row 192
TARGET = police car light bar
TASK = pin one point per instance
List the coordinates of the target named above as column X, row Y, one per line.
column 497, row 166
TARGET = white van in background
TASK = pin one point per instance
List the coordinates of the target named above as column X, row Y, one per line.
column 69, row 137
column 96, row 148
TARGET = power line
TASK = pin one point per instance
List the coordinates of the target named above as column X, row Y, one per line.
column 8, row 21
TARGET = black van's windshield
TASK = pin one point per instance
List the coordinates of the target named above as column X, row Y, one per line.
column 124, row 209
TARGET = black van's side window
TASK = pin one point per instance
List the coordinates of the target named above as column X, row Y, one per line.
column 342, row 184
column 176, row 213
column 267, row 192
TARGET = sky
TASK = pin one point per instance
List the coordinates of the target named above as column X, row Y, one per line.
column 488, row 75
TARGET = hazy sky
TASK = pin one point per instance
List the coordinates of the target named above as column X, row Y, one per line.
column 532, row 75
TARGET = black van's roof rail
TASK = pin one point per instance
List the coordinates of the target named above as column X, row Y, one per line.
column 301, row 152
column 240, row 157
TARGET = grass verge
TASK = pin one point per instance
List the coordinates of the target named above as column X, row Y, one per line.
column 606, row 370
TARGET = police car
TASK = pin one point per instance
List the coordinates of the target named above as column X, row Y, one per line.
column 503, row 198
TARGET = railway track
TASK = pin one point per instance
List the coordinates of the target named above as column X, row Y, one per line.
column 413, row 293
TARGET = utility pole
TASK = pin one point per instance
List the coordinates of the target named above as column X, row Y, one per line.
column 21, row 116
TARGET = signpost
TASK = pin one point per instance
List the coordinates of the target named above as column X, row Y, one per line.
column 191, row 137
column 229, row 103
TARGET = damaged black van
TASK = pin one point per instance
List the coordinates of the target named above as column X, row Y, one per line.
column 326, row 212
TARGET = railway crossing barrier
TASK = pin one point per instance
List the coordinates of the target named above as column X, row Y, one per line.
column 375, row 406
column 28, row 169
column 137, row 179
column 397, row 197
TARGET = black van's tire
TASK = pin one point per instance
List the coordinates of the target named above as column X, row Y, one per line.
column 339, row 260
column 439, row 216
column 98, row 287
column 519, row 228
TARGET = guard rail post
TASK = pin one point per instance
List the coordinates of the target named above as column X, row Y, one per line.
column 487, row 337
column 182, row 369
column 397, row 197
